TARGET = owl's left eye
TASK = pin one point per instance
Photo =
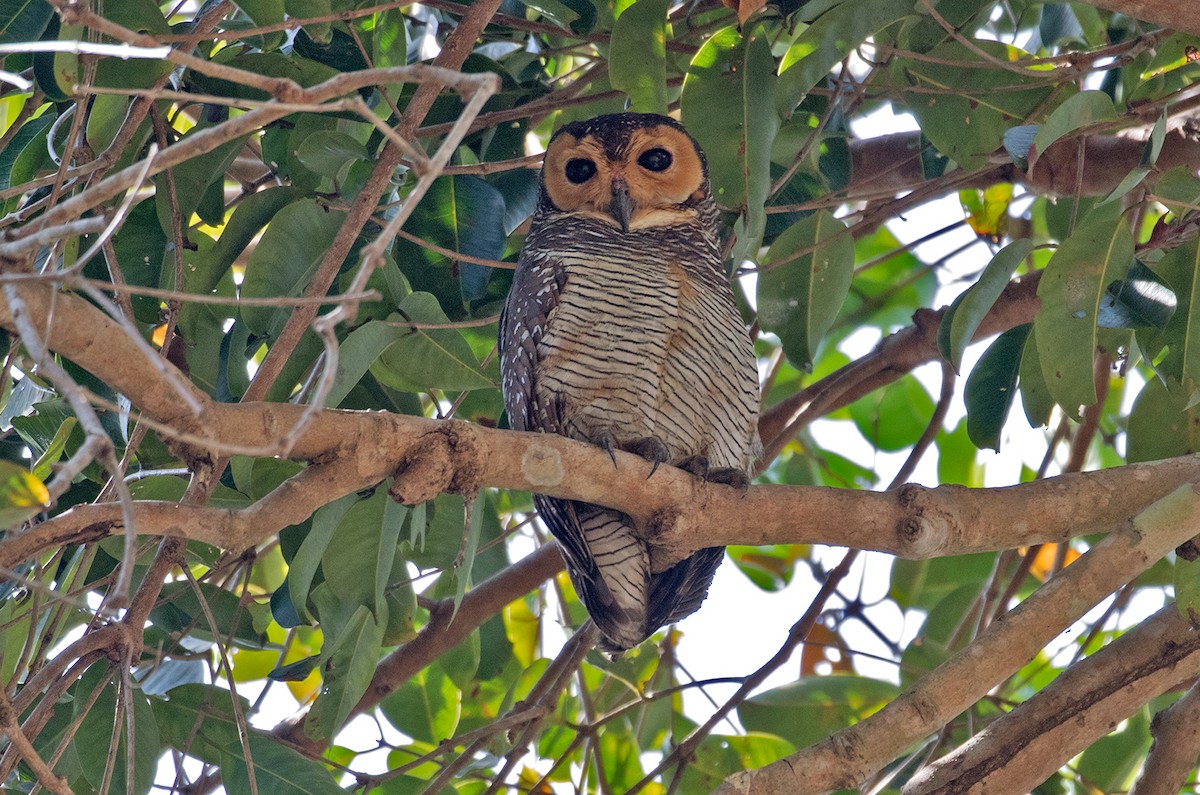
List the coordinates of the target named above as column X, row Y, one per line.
column 656, row 159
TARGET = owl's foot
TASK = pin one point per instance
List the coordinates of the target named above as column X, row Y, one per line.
column 730, row 476
column 650, row 448
column 697, row 465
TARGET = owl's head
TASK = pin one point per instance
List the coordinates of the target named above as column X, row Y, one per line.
column 631, row 170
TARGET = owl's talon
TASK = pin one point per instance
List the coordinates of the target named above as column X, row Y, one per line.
column 608, row 444
column 652, row 449
column 697, row 465
column 730, row 476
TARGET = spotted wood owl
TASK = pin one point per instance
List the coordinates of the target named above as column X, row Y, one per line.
column 621, row 330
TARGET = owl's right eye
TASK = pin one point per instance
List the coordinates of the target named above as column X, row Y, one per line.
column 580, row 170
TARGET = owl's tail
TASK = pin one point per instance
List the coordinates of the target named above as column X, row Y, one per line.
column 609, row 565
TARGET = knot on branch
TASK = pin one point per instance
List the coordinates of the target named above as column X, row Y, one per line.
column 444, row 460
column 917, row 534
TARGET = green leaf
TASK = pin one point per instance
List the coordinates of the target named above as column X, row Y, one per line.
column 43, row 467
column 426, row 707
column 809, row 270
column 637, row 61
column 827, row 41
column 1180, row 267
column 962, row 319
column 428, row 358
column 25, row 153
column 91, row 744
column 461, row 213
column 728, row 105
column 1078, row 111
column 312, row 9
column 361, row 537
column 304, row 565
column 330, row 153
column 22, row 494
column 808, row 711
column 1035, row 393
column 285, row 260
column 1163, row 423
column 179, row 610
column 199, row 720
column 278, row 770
column 965, row 104
column 249, row 217
column 351, row 652
column 1071, row 289
column 992, row 386
column 1140, row 300
column 24, row 20
column 894, row 418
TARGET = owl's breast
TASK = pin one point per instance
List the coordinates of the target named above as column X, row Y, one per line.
column 637, row 346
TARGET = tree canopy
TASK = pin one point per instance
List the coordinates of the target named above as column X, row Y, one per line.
column 266, row 528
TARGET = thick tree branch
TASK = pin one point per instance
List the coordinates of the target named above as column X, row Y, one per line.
column 849, row 757
column 679, row 513
column 891, row 164
column 1025, row 747
column 1161, row 12
column 1176, row 749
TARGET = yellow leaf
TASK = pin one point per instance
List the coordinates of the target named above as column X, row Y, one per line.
column 22, row 494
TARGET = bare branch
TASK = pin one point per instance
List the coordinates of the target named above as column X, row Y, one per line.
column 1176, row 749
column 1024, row 747
column 848, row 757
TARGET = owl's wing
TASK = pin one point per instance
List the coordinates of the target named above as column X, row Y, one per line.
column 537, row 283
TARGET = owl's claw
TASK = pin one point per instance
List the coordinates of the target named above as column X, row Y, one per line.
column 652, row 449
column 697, row 465
column 730, row 476
column 608, row 444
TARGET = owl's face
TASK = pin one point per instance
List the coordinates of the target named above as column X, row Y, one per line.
column 630, row 170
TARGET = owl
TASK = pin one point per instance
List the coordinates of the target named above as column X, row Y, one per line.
column 621, row 330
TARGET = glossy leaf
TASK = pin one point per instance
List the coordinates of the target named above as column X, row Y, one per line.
column 1164, row 423
column 285, row 260
column 807, row 711
column 24, row 20
column 1181, row 269
column 462, row 214
column 1071, row 290
column 894, row 418
column 638, row 55
column 828, row 40
column 98, row 722
column 728, row 105
column 992, row 386
column 1078, row 111
column 425, row 358
column 962, row 319
column 426, row 707
column 810, row 267
column 1035, row 392
column 350, row 658
column 970, row 104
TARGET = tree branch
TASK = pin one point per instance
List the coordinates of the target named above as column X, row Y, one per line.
column 1176, row 748
column 850, row 756
column 1022, row 749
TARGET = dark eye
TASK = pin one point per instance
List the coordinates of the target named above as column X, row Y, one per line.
column 655, row 159
column 580, row 170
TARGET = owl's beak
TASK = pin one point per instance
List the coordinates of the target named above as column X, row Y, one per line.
column 622, row 205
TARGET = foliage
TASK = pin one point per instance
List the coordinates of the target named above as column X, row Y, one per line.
column 291, row 166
